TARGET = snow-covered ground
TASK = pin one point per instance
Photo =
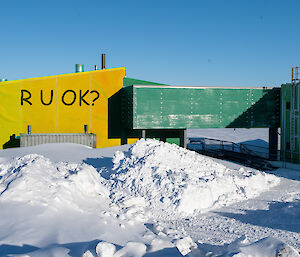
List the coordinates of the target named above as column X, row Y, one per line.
column 149, row 199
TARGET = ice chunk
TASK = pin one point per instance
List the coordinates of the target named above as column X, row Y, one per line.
column 105, row 249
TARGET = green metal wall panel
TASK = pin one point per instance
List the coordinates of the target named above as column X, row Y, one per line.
column 127, row 100
column 285, row 121
column 163, row 107
column 290, row 123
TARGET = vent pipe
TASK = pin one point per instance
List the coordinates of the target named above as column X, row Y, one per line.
column 103, row 61
column 29, row 129
column 86, row 128
column 78, row 67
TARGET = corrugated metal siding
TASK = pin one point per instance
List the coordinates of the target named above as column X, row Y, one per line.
column 290, row 123
column 38, row 139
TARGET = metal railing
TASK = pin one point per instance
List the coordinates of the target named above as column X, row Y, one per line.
column 30, row 139
column 210, row 144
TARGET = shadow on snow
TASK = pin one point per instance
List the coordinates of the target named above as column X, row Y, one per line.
column 280, row 215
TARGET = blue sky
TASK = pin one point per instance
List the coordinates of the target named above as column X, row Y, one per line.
column 225, row 43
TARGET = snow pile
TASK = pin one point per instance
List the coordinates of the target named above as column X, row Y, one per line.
column 38, row 181
column 47, row 205
column 54, row 207
column 172, row 180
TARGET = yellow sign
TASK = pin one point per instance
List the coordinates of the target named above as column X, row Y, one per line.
column 60, row 104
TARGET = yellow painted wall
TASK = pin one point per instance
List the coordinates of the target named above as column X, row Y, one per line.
column 63, row 114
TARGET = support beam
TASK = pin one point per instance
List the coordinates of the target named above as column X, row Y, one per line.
column 144, row 133
column 123, row 137
column 183, row 138
column 273, row 143
column 163, row 139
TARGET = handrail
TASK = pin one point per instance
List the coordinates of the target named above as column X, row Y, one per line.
column 234, row 147
column 258, row 151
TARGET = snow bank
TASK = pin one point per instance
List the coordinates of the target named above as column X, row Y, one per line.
column 168, row 179
column 35, row 179
column 49, row 204
column 172, row 180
